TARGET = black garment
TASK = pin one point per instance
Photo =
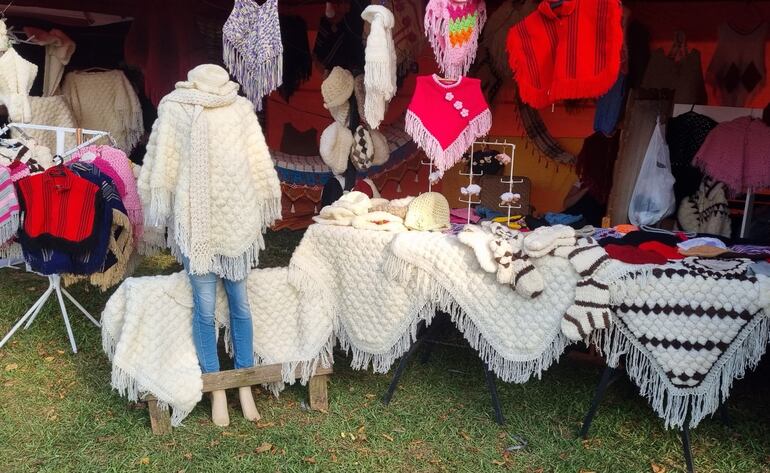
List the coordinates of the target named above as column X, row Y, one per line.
column 297, row 62
column 685, row 134
column 639, row 237
column 485, row 163
column 341, row 44
column 331, row 192
column 591, row 209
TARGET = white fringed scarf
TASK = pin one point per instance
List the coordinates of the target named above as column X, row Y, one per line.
column 381, row 64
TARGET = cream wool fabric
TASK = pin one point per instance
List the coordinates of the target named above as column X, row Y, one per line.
column 208, row 177
column 147, row 334
column 52, row 111
column 16, row 78
column 381, row 64
column 106, row 100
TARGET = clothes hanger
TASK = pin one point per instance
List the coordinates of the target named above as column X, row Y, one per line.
column 95, row 69
column 89, row 142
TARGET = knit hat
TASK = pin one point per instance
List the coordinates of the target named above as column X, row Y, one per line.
column 362, row 151
column 356, row 202
column 704, row 251
column 428, row 212
column 381, row 148
column 337, row 87
column 210, row 78
column 335, row 146
column 340, row 113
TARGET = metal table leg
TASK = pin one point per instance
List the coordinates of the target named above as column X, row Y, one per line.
column 492, row 386
column 598, row 396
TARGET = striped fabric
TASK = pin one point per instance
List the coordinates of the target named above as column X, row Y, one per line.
column 569, row 52
column 9, row 207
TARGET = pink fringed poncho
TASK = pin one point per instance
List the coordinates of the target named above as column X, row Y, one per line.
column 444, row 119
column 453, row 29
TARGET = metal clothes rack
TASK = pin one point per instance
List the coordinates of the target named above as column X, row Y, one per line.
column 54, row 280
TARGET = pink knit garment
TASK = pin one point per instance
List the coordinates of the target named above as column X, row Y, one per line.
column 9, row 206
column 444, row 119
column 737, row 153
column 114, row 163
column 453, row 28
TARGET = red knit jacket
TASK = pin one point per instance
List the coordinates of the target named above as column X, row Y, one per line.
column 60, row 210
column 567, row 53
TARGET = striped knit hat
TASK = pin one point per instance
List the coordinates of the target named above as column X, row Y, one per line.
column 9, row 207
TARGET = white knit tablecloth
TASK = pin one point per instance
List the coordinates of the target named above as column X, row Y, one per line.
column 378, row 287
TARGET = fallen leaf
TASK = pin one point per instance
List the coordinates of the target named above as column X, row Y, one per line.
column 333, row 458
column 11, row 367
column 48, row 358
column 61, row 352
column 498, row 462
column 434, row 461
column 144, row 461
column 214, row 443
column 188, row 456
column 265, row 425
column 370, row 396
column 309, row 460
column 265, row 447
column 388, row 437
column 582, row 470
column 465, row 435
column 361, row 429
column 657, row 468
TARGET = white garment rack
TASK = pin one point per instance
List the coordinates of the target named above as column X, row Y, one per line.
column 54, row 280
column 719, row 115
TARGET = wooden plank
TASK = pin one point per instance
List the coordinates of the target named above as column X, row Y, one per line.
column 319, row 393
column 160, row 420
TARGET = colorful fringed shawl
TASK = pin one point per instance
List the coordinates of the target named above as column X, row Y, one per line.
column 253, row 52
column 444, row 119
column 567, row 53
column 9, row 207
column 453, row 29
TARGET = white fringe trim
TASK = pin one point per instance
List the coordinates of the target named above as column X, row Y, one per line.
column 446, row 158
column 11, row 251
column 9, row 228
column 259, row 82
column 671, row 402
column 440, row 298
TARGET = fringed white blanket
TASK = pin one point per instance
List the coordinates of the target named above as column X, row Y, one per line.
column 379, row 288
column 687, row 330
column 147, row 333
column 517, row 336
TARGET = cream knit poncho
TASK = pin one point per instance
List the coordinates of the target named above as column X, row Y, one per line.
column 207, row 177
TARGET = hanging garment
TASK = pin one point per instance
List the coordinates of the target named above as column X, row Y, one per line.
column 537, row 132
column 339, row 44
column 59, row 49
column 706, row 211
column 115, row 164
column 380, row 68
column 595, row 164
column 61, row 211
column 453, row 28
column 445, row 119
column 684, row 77
column 737, row 153
column 737, row 69
column 610, row 106
column 207, row 178
column 551, row 61
column 408, row 36
column 685, row 134
column 107, row 101
column 52, row 111
column 252, row 48
column 16, row 78
column 297, row 61
column 9, row 207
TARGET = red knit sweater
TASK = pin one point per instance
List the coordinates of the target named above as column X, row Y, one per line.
column 60, row 210
column 567, row 53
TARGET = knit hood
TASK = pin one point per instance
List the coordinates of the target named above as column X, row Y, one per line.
column 207, row 85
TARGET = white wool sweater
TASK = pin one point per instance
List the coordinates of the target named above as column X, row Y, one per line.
column 208, row 180
column 105, row 100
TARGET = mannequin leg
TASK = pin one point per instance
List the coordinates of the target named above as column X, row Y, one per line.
column 242, row 332
column 205, row 338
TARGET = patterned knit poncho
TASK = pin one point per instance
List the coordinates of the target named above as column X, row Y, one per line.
column 569, row 52
column 453, row 28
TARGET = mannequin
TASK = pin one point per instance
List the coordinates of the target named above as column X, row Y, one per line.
column 209, row 183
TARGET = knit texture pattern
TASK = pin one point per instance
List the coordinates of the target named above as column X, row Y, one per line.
column 453, row 29
column 147, row 334
column 687, row 330
column 253, row 52
column 381, row 64
column 106, row 101
column 209, row 181
column 16, row 78
column 707, row 210
column 9, row 207
column 51, row 111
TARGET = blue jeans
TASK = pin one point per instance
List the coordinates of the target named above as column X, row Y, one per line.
column 204, row 332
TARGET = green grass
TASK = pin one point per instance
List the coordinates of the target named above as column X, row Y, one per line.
column 58, row 413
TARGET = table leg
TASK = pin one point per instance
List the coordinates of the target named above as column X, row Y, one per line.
column 402, row 366
column 492, row 386
column 598, row 396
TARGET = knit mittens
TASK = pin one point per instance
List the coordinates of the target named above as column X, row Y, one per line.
column 513, row 265
column 479, row 239
column 591, row 309
column 544, row 240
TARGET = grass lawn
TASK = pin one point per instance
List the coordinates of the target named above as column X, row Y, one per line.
column 58, row 413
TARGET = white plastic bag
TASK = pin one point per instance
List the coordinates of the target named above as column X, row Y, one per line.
column 653, row 197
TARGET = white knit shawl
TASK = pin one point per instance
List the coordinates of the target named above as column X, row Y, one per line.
column 380, row 66
column 209, row 181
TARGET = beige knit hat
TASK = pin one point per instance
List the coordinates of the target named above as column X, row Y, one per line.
column 381, row 148
column 337, row 87
column 428, row 212
column 334, row 147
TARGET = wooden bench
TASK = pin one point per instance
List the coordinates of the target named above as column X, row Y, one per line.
column 160, row 420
